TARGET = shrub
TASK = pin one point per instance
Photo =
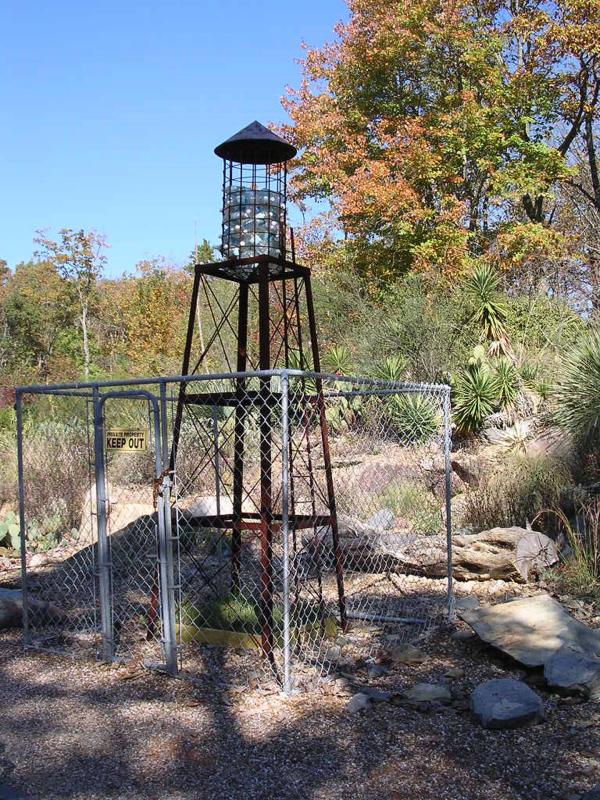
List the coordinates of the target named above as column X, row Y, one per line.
column 10, row 531
column 577, row 396
column 517, row 492
column 416, row 506
column 579, row 572
column 475, row 398
column 429, row 325
column 57, row 478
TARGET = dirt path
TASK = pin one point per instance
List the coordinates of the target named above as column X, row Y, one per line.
column 71, row 730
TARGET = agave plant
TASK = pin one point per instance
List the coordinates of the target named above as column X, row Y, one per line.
column 475, row 398
column 482, row 286
column 578, row 391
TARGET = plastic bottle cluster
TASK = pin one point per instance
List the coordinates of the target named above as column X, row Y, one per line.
column 251, row 222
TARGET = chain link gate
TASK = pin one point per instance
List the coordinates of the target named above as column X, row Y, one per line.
column 256, row 541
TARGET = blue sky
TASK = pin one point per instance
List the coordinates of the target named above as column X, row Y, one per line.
column 111, row 110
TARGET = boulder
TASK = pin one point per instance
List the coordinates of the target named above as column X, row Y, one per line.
column 502, row 553
column 511, row 554
column 506, row 703
column 468, row 466
column 531, row 629
column 573, row 672
column 383, row 519
column 11, row 608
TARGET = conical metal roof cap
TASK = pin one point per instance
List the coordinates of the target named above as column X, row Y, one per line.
column 256, row 144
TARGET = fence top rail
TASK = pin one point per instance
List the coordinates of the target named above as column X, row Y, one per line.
column 81, row 388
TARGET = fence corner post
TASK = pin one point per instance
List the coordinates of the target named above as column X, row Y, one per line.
column 285, row 532
column 22, row 522
column 104, row 571
column 448, row 494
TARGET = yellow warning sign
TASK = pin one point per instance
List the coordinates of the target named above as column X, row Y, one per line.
column 128, row 439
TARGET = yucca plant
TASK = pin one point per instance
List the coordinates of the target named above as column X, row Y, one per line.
column 391, row 368
column 338, row 360
column 482, row 287
column 507, row 383
column 475, row 398
column 529, row 374
column 413, row 417
column 578, row 392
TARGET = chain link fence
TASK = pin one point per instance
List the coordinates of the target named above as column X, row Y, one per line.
column 282, row 523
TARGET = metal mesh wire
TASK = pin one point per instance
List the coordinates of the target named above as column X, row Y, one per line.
column 283, row 518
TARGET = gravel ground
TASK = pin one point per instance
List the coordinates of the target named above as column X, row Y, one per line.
column 82, row 730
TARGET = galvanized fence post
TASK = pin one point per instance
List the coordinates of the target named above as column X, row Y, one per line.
column 448, row 495
column 285, row 533
column 22, row 522
column 104, row 570
column 167, row 590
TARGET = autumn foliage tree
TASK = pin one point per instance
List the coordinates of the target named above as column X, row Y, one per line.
column 431, row 127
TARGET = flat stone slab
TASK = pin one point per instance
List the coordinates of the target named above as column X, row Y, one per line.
column 428, row 693
column 506, row 703
column 572, row 671
column 532, row 629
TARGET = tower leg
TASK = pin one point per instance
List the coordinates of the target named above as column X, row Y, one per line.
column 266, row 509
column 337, row 550
column 238, row 439
column 185, row 369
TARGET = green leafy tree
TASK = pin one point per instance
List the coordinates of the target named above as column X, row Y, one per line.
column 79, row 258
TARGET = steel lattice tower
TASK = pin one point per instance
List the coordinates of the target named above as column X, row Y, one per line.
column 268, row 322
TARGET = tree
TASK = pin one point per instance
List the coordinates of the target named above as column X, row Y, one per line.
column 79, row 258
column 431, row 126
column 39, row 313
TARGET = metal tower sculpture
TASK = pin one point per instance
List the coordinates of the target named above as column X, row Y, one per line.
column 267, row 322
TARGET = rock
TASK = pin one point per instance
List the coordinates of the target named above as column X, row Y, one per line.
column 506, row 703
column 333, row 653
column 468, row 467
column 358, row 702
column 383, row 519
column 11, row 608
column 573, row 672
column 502, row 553
column 454, row 672
column 464, row 603
column 428, row 693
column 376, row 671
column 206, row 506
column 376, row 695
column 407, row 654
column 593, row 794
column 553, row 443
column 532, row 629
column 463, row 636
column 38, row 560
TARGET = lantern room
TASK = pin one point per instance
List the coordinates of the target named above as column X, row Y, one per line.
column 254, row 193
